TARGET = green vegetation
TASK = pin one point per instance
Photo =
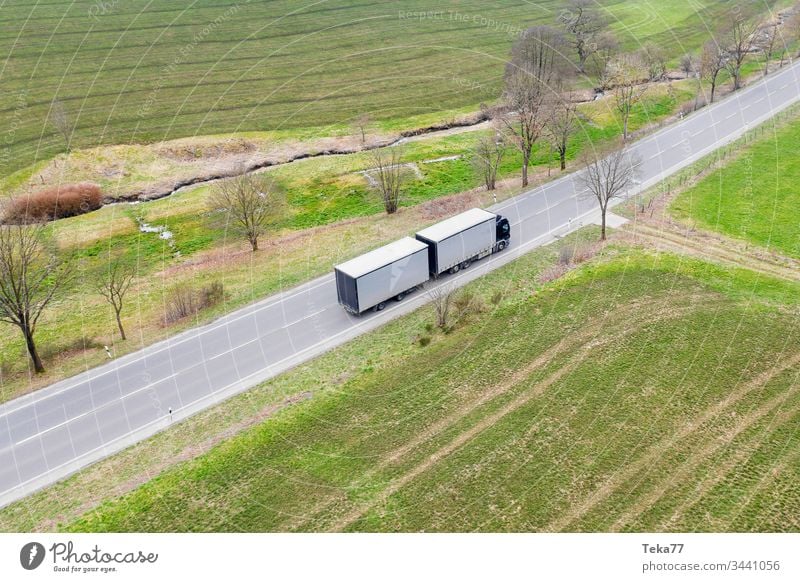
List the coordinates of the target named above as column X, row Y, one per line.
column 753, row 197
column 155, row 71
column 613, row 402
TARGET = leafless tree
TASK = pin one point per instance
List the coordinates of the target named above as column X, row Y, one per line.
column 560, row 124
column 60, row 121
column 626, row 75
column 606, row 175
column 770, row 43
column 688, row 65
column 442, row 299
column 486, row 157
column 606, row 52
column 248, row 202
column 361, row 124
column 654, row 61
column 113, row 286
column 388, row 176
column 537, row 61
column 713, row 60
column 29, row 278
column 739, row 39
column 584, row 23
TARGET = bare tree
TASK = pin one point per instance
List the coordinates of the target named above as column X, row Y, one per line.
column 537, row 62
column 442, row 299
column 713, row 60
column 739, row 39
column 626, row 74
column 560, row 124
column 688, row 65
column 606, row 175
column 654, row 61
column 60, row 121
column 584, row 23
column 29, row 278
column 361, row 124
column 248, row 202
column 113, row 286
column 769, row 42
column 607, row 50
column 486, row 157
column 389, row 178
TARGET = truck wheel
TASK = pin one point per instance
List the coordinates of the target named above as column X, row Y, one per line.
column 380, row 306
column 455, row 269
column 400, row 296
column 466, row 264
column 502, row 245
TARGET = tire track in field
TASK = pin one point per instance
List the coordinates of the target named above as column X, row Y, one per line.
column 443, row 424
column 650, row 316
column 704, row 487
column 661, row 238
column 700, row 455
column 620, row 477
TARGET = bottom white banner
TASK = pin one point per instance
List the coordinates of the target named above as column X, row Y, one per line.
column 355, row 557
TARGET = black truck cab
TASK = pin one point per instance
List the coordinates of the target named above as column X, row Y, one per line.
column 503, row 228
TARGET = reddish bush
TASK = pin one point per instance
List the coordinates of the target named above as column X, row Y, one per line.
column 53, row 203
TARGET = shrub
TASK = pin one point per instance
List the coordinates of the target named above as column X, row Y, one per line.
column 53, row 203
column 424, row 340
column 565, row 255
column 467, row 304
column 180, row 303
column 496, row 297
column 183, row 300
column 211, row 294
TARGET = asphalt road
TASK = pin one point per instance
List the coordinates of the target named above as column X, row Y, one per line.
column 51, row 433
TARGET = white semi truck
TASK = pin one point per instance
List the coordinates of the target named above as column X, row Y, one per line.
column 393, row 271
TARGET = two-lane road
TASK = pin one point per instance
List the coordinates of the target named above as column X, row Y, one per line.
column 56, row 431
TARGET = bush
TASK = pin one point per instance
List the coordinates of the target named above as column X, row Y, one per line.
column 180, row 303
column 565, row 255
column 424, row 340
column 467, row 304
column 183, row 300
column 211, row 294
column 496, row 297
column 53, row 203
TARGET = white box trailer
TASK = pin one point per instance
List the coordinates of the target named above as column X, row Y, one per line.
column 386, row 273
column 456, row 242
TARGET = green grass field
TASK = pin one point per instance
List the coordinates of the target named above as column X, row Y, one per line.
column 640, row 392
column 136, row 71
column 753, row 197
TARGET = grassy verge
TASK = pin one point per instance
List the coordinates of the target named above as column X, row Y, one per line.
column 753, row 196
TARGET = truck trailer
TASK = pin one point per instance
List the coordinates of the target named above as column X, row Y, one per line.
column 386, row 273
column 456, row 242
column 393, row 271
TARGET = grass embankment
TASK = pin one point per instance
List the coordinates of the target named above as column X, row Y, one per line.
column 148, row 71
column 640, row 392
column 754, row 196
column 331, row 216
